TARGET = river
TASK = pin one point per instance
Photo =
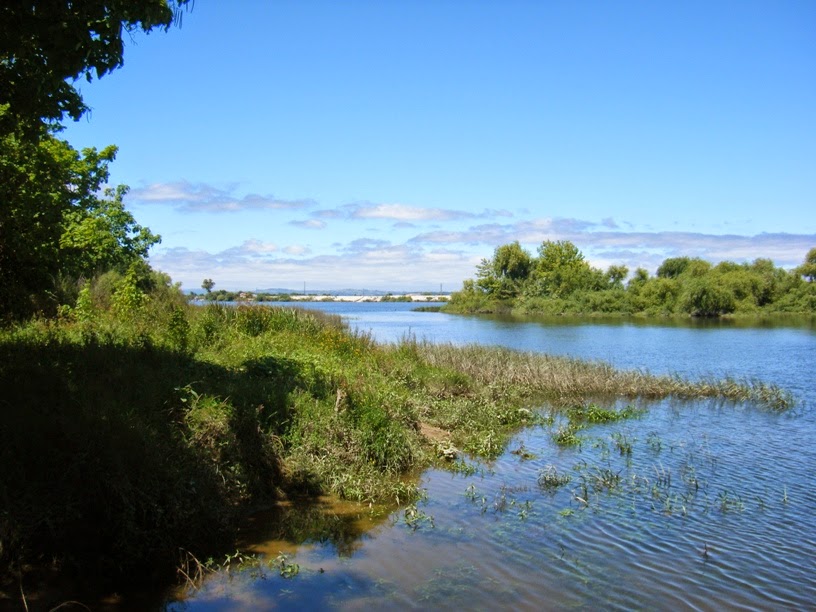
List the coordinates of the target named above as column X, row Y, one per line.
column 697, row 505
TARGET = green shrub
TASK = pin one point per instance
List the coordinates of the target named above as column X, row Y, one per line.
column 704, row 297
column 128, row 299
column 178, row 329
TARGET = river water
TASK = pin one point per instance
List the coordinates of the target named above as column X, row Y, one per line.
column 694, row 505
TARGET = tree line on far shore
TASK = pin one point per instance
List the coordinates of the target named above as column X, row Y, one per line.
column 559, row 280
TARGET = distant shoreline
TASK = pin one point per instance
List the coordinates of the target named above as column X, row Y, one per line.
column 402, row 297
column 249, row 297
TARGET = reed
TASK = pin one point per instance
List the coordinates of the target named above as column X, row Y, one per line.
column 564, row 379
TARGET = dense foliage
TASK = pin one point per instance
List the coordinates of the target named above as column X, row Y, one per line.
column 46, row 45
column 59, row 222
column 561, row 281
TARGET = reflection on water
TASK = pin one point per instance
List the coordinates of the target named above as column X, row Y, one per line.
column 692, row 505
column 325, row 522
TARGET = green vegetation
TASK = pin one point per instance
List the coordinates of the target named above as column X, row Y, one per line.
column 389, row 297
column 59, row 221
column 47, row 47
column 550, row 479
column 136, row 425
column 560, row 281
column 55, row 225
column 222, row 295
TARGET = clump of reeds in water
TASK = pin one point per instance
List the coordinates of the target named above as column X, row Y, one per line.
column 564, row 378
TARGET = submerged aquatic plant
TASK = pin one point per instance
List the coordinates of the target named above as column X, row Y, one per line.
column 623, row 443
column 415, row 517
column 285, row 567
column 654, row 441
column 550, row 479
column 729, row 502
column 567, row 435
column 593, row 413
column 522, row 453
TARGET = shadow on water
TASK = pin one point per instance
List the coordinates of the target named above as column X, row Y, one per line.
column 329, row 522
column 333, row 530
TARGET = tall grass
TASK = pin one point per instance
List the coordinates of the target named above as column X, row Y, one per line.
column 566, row 379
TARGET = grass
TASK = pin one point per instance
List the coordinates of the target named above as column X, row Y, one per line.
column 564, row 379
column 127, row 439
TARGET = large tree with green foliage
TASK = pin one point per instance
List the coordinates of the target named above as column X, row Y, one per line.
column 705, row 297
column 560, row 270
column 56, row 218
column 615, row 276
column 103, row 236
column 504, row 274
column 673, row 267
column 808, row 268
column 47, row 45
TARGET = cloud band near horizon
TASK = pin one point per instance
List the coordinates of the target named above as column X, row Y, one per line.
column 405, row 247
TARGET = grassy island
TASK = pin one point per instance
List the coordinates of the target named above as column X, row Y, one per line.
column 136, row 426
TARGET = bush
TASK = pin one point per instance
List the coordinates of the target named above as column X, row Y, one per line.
column 704, row 297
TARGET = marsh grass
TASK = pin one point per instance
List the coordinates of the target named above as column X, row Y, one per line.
column 564, row 379
column 127, row 438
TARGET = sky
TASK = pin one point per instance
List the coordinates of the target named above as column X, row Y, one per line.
column 392, row 145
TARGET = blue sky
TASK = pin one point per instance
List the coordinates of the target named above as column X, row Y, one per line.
column 392, row 145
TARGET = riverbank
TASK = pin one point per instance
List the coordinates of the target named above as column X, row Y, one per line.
column 580, row 307
column 129, row 439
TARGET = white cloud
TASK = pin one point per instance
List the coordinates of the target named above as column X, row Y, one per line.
column 634, row 248
column 256, row 246
column 372, row 264
column 201, row 197
column 309, row 224
column 402, row 213
column 296, row 249
column 421, row 265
